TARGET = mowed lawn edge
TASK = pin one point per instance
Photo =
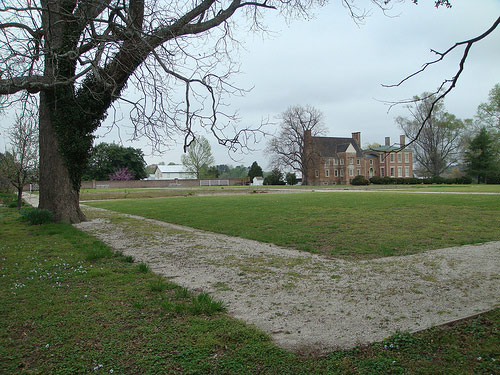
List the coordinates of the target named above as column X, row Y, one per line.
column 360, row 225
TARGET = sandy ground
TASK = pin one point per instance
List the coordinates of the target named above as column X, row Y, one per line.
column 308, row 302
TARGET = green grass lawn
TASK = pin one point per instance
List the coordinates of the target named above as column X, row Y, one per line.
column 337, row 224
column 71, row 306
column 97, row 194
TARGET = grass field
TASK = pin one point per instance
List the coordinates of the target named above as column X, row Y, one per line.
column 338, row 224
column 71, row 306
column 98, row 194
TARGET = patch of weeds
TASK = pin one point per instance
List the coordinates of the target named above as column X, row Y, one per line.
column 124, row 258
column 221, row 286
column 157, row 285
column 182, row 293
column 204, row 304
column 380, row 365
column 334, row 276
column 143, row 267
column 36, row 216
column 139, row 305
column 401, row 341
column 289, row 286
column 97, row 250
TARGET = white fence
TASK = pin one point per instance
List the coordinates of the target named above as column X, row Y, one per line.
column 214, row 182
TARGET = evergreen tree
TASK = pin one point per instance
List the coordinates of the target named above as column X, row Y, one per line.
column 255, row 171
column 480, row 156
column 291, row 178
column 275, row 178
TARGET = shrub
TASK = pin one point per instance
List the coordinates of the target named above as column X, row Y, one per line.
column 36, row 216
column 360, row 180
column 291, row 178
column 377, row 180
column 493, row 178
column 464, row 180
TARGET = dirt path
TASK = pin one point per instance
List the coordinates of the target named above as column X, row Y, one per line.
column 307, row 302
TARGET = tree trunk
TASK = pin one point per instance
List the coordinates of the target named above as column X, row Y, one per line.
column 57, row 192
column 19, row 197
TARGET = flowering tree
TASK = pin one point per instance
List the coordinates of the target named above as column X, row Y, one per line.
column 122, row 174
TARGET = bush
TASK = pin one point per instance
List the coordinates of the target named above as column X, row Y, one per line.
column 36, row 216
column 493, row 178
column 463, row 180
column 360, row 180
column 291, row 179
column 377, row 180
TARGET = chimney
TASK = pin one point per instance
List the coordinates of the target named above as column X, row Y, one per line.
column 402, row 141
column 357, row 137
column 387, row 141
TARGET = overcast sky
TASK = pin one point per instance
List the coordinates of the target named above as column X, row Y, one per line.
column 338, row 67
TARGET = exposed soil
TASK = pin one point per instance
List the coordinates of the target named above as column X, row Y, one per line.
column 308, row 302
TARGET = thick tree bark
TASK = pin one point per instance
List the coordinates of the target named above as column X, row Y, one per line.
column 19, row 197
column 57, row 192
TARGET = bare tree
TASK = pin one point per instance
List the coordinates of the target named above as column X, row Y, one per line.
column 78, row 57
column 440, row 143
column 19, row 165
column 198, row 156
column 288, row 149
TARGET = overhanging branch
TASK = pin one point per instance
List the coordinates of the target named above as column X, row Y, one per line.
column 441, row 92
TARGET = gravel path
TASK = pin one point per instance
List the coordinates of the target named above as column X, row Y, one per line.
column 308, row 302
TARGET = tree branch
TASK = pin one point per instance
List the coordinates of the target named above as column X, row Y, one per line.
column 442, row 91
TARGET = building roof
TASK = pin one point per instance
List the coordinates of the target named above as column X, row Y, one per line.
column 178, row 168
column 331, row 146
column 384, row 148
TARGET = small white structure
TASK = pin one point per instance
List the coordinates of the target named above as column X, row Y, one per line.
column 258, row 181
column 172, row 172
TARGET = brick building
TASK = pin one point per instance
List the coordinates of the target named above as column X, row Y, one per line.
column 335, row 160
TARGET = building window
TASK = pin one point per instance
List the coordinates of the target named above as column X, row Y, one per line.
column 392, row 157
column 382, row 157
column 400, row 172
column 327, row 173
column 341, row 173
column 351, row 172
column 335, row 161
column 371, row 161
column 407, row 157
column 336, row 173
column 351, row 161
column 358, row 172
column 392, row 171
column 327, row 162
column 341, row 161
column 407, row 171
column 317, row 173
column 400, row 157
column 382, row 172
column 358, row 161
column 370, row 172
